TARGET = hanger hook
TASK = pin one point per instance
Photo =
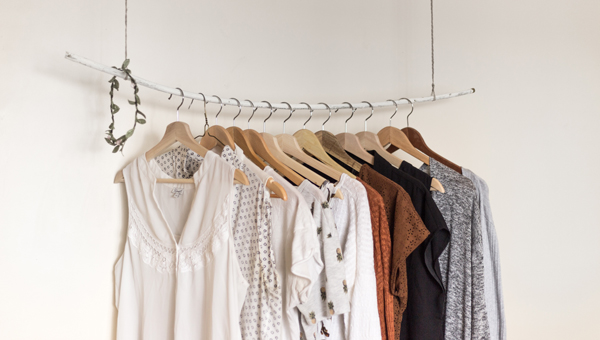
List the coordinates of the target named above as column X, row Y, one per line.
column 412, row 108
column 352, row 114
column 328, row 118
column 270, row 113
column 290, row 116
column 372, row 110
column 205, row 116
column 239, row 105
column 220, row 109
column 182, row 99
column 311, row 113
column 396, row 111
column 253, row 111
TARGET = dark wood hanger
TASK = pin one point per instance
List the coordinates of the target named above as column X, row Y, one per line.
column 418, row 142
column 394, row 136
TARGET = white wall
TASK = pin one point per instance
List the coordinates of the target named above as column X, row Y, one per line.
column 530, row 130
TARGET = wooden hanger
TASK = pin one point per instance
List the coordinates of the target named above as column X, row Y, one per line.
column 290, row 146
column 276, row 188
column 394, row 136
column 267, row 144
column 215, row 133
column 350, row 142
column 309, row 142
column 240, row 139
column 219, row 134
column 418, row 142
column 333, row 147
column 273, row 146
column 180, row 132
column 371, row 142
column 259, row 146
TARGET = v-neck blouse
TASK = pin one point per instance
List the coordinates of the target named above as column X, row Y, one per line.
column 187, row 289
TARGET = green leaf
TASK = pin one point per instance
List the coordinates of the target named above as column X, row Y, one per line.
column 107, row 139
column 137, row 99
column 141, row 113
column 111, row 126
column 125, row 63
column 115, row 108
column 116, row 149
column 141, row 121
column 131, row 102
column 129, row 133
column 116, row 84
column 136, row 89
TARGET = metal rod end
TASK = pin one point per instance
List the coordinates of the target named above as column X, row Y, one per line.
column 473, row 89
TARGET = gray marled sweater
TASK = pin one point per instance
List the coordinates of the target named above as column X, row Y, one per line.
column 494, row 301
column 461, row 263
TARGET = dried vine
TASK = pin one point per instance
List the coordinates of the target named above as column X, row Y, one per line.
column 119, row 143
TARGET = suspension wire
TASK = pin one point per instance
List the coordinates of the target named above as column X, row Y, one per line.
column 432, row 56
column 125, row 29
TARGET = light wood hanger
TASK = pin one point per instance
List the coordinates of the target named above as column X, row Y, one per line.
column 240, row 139
column 219, row 134
column 394, row 136
column 215, row 133
column 260, row 147
column 333, row 147
column 180, row 132
column 272, row 145
column 289, row 145
column 371, row 142
column 350, row 142
column 310, row 144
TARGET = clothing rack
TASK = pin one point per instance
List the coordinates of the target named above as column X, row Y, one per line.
column 256, row 104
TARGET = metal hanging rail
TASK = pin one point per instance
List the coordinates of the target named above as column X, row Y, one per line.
column 257, row 104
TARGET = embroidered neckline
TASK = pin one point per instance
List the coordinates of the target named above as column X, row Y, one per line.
column 163, row 258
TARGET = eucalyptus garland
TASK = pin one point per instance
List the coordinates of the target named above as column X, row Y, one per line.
column 119, row 143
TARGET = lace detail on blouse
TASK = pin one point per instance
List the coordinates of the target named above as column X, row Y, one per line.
column 153, row 253
column 163, row 258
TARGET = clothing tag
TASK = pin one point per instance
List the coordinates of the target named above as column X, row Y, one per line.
column 177, row 192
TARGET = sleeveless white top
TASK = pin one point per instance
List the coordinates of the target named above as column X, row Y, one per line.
column 178, row 277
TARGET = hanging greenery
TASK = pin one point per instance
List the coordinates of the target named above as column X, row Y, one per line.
column 119, row 143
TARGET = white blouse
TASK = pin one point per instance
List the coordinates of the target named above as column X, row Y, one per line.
column 178, row 277
column 297, row 252
column 251, row 225
column 353, row 219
